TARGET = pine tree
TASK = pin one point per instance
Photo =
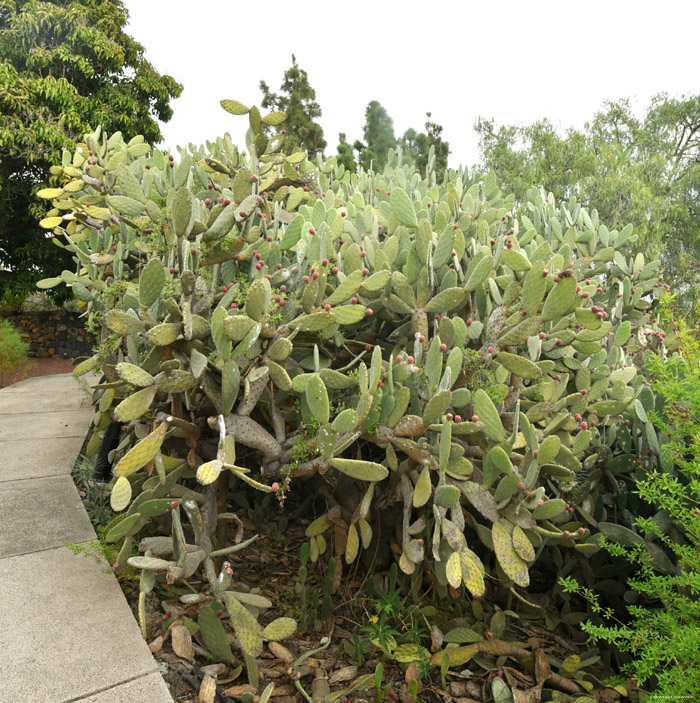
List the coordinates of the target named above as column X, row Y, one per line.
column 416, row 146
column 298, row 99
column 379, row 136
column 346, row 157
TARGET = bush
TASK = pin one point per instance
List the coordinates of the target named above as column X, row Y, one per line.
column 663, row 635
column 13, row 351
column 401, row 346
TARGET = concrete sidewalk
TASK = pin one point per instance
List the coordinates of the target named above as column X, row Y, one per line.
column 68, row 633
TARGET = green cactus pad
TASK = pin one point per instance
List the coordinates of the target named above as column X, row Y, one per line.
column 151, row 282
column 436, row 406
column 223, row 223
column 481, row 499
column 208, row 472
column 548, row 449
column 362, row 470
column 280, row 629
column 280, row 349
column 549, row 509
column 236, row 327
column 150, row 563
column 248, row 631
column 346, row 289
column 258, row 300
column 402, row 207
column 135, row 405
column 522, row 544
column 446, row 300
column 423, row 489
column 349, row 314
column 488, row 414
column 129, row 525
column 511, row 563
column 453, row 570
column 175, row 381
column 315, row 322
column 317, row 398
column 121, row 494
column 182, row 212
column 519, row 365
column 164, row 334
column 279, row 375
column 559, row 299
column 214, row 635
column 515, row 260
column 122, row 322
column 346, row 421
column 447, row 496
column 473, row 578
column 134, row 375
column 478, row 269
column 143, row 452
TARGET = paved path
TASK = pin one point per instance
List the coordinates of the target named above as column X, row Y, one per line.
column 67, row 631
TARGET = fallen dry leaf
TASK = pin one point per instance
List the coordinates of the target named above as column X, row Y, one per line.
column 182, row 642
column 281, row 652
column 207, row 690
column 285, row 690
column 240, row 690
column 344, row 674
column 214, row 670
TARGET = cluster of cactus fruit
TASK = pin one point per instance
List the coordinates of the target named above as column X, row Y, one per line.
column 260, row 300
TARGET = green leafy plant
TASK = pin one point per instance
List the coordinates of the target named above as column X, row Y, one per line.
column 662, row 633
column 13, row 351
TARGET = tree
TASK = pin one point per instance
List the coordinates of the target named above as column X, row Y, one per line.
column 379, row 136
column 644, row 170
column 65, row 67
column 416, row 146
column 298, row 99
column 346, row 157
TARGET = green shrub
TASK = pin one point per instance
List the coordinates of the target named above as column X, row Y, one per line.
column 663, row 635
column 13, row 350
column 380, row 338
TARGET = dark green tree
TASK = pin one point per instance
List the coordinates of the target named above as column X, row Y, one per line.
column 644, row 170
column 379, row 136
column 416, row 146
column 346, row 156
column 65, row 67
column 298, row 99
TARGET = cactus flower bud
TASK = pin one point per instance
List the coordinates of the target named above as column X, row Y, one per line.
column 521, row 486
column 174, row 505
column 275, row 486
column 475, row 418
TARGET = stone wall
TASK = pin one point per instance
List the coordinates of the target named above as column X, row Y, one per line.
column 53, row 333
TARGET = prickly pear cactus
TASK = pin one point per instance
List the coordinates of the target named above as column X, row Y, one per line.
column 412, row 339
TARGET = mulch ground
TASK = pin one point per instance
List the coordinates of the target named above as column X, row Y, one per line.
column 37, row 367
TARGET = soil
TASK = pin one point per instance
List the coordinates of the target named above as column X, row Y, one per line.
column 37, row 367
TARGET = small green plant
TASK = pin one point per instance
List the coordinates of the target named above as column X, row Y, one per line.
column 96, row 499
column 663, row 634
column 13, row 350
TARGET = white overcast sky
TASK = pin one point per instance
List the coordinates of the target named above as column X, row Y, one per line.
column 511, row 61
